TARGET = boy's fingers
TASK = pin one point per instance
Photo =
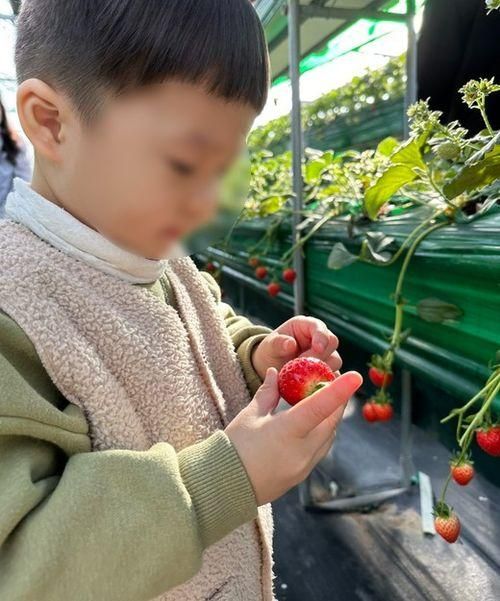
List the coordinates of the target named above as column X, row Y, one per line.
column 309, row 413
column 267, row 397
column 326, row 430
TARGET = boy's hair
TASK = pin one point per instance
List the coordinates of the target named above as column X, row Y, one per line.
column 87, row 47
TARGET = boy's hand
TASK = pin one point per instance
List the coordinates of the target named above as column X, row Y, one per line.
column 300, row 336
column 280, row 450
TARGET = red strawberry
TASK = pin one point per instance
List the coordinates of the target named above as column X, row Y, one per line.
column 384, row 411
column 462, row 471
column 289, row 275
column 301, row 377
column 253, row 261
column 261, row 272
column 369, row 412
column 380, row 377
column 210, row 267
column 274, row 288
column 446, row 522
column 489, row 440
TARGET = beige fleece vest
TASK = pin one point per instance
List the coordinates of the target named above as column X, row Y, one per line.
column 142, row 372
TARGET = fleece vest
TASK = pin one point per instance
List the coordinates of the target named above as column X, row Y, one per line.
column 142, row 372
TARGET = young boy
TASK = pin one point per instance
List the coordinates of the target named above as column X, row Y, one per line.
column 134, row 463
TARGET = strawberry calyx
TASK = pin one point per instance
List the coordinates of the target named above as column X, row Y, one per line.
column 442, row 510
column 459, row 460
column 318, row 386
column 382, row 398
column 381, row 363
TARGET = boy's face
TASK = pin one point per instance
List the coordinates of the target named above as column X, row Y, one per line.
column 147, row 171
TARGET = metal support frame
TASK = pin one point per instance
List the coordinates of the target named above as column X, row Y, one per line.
column 411, row 61
column 296, row 14
column 332, row 12
column 297, row 146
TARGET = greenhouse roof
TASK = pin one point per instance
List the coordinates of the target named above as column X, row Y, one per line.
column 321, row 20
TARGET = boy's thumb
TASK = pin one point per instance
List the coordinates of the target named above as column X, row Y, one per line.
column 267, row 397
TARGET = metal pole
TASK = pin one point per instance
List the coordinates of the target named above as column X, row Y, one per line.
column 411, row 61
column 406, row 460
column 297, row 146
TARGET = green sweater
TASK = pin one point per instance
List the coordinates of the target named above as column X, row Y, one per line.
column 113, row 525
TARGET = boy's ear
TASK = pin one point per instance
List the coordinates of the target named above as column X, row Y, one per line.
column 44, row 115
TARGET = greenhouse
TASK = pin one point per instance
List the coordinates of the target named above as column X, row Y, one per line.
column 356, row 234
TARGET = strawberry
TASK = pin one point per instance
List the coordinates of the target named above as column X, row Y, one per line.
column 488, row 438
column 369, row 412
column 210, row 267
column 261, row 272
column 253, row 261
column 289, row 275
column 301, row 377
column 274, row 288
column 446, row 522
column 462, row 471
column 384, row 411
column 379, row 377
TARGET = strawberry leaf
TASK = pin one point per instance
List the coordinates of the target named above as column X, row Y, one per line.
column 435, row 310
column 386, row 186
column 409, row 154
column 340, row 257
column 475, row 176
column 374, row 248
column 387, row 146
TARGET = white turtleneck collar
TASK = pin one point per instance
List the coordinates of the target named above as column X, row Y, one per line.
column 63, row 231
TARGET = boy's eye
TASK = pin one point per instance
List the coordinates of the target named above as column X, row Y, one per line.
column 181, row 167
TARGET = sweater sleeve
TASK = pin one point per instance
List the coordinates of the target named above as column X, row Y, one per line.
column 244, row 334
column 117, row 525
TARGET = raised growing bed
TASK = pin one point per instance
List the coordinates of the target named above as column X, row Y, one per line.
column 356, row 130
column 359, row 129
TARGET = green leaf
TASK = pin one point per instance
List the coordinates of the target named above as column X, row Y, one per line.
column 435, row 310
column 340, row 257
column 271, row 205
column 374, row 248
column 387, row 146
column 409, row 154
column 313, row 170
column 386, row 186
column 475, row 176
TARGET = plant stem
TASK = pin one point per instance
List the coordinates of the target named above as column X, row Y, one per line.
column 480, row 414
column 399, row 302
column 411, row 236
column 225, row 243
column 482, row 108
column 492, row 381
column 303, row 240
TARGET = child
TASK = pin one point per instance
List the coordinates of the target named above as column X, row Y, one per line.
column 134, row 463
column 14, row 160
